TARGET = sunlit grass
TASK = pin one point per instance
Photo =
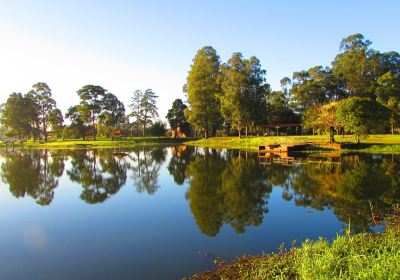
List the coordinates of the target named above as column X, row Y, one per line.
column 373, row 144
column 358, row 256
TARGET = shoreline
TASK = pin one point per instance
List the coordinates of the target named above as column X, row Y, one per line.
column 375, row 144
column 348, row 256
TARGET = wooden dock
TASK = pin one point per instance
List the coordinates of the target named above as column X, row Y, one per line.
column 283, row 148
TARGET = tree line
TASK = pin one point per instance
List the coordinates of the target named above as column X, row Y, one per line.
column 99, row 112
column 359, row 93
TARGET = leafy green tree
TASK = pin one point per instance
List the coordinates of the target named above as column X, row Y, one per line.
column 244, row 92
column 356, row 64
column 235, row 95
column 362, row 116
column 91, row 103
column 157, row 129
column 176, row 117
column 77, row 127
column 322, row 118
column 112, row 115
column 316, row 87
column 203, row 88
column 56, row 121
column 41, row 95
column 278, row 109
column 17, row 115
column 388, row 93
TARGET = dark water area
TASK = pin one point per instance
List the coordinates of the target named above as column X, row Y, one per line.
column 165, row 213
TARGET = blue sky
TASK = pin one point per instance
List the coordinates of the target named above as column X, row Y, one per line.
column 129, row 45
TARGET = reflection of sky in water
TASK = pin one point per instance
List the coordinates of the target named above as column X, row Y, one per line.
column 136, row 235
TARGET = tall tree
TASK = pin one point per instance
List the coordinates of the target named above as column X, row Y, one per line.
column 112, row 114
column 91, row 100
column 235, row 94
column 136, row 109
column 41, row 94
column 56, row 121
column 148, row 108
column 176, row 117
column 244, row 92
column 203, row 89
column 388, row 93
column 75, row 115
column 356, row 64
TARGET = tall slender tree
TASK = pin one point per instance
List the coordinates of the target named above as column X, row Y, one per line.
column 148, row 108
column 203, row 88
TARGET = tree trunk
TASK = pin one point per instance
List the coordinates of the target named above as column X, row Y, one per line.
column 331, row 134
column 144, row 129
column 94, row 128
column 45, row 131
column 246, row 131
column 240, row 134
column 205, row 133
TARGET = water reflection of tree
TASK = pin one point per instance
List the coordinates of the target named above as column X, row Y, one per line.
column 180, row 159
column 100, row 173
column 33, row 173
column 226, row 189
column 359, row 190
column 145, row 166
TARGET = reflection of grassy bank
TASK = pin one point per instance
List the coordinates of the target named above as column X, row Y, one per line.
column 358, row 256
column 101, row 143
column 388, row 144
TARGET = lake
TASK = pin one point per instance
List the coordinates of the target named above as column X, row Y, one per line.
column 168, row 212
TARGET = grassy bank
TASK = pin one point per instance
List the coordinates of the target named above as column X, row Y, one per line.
column 100, row 143
column 382, row 144
column 358, row 256
column 388, row 144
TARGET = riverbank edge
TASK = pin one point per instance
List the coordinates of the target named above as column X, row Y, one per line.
column 375, row 144
column 101, row 143
column 348, row 256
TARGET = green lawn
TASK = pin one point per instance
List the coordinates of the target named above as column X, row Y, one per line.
column 100, row 143
column 374, row 143
column 389, row 144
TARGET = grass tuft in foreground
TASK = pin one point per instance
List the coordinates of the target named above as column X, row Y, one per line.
column 358, row 256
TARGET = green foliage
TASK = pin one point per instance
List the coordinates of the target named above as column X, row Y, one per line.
column 44, row 104
column 176, row 117
column 243, row 92
column 362, row 116
column 278, row 108
column 203, row 89
column 56, row 121
column 388, row 93
column 157, row 129
column 91, row 105
column 322, row 118
column 316, row 87
column 17, row 115
column 143, row 109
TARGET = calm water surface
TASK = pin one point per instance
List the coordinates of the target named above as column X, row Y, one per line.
column 165, row 213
